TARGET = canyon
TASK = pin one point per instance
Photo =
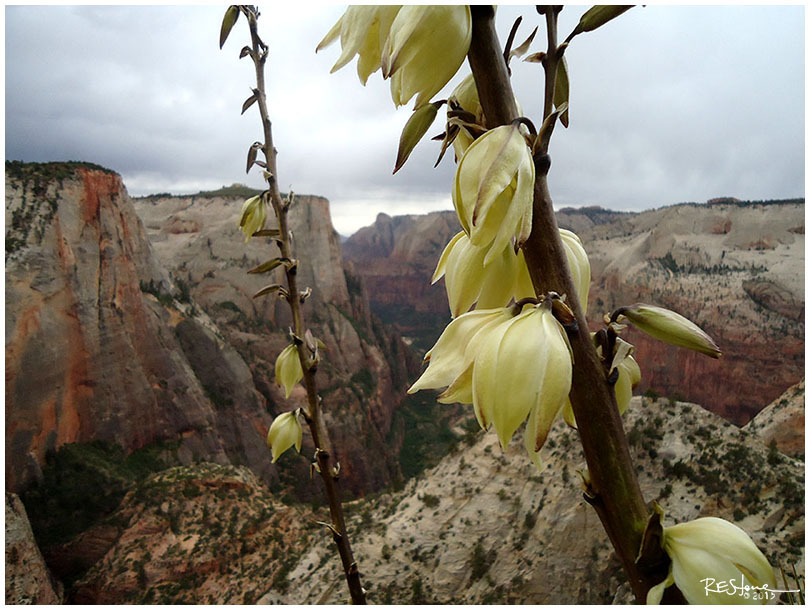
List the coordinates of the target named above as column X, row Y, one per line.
column 734, row 268
column 139, row 390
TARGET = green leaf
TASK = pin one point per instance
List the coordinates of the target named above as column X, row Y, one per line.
column 250, row 101
column 562, row 89
column 523, row 48
column 416, row 127
column 231, row 15
column 268, row 290
column 251, row 158
column 269, row 265
column 597, row 16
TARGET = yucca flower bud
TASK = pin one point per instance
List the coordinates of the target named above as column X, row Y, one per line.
column 523, row 368
column 285, row 431
column 714, row 562
column 467, row 280
column 288, row 369
column 579, row 265
column 670, row 327
column 425, row 48
column 254, row 214
column 493, row 190
column 363, row 31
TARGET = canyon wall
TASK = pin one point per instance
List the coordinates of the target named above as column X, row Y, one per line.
column 735, row 268
column 111, row 339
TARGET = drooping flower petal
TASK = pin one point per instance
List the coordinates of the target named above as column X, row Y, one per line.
column 288, row 369
column 468, row 280
column 556, row 385
column 285, row 431
column 254, row 215
column 426, row 46
column 363, row 30
column 493, row 188
column 579, row 265
column 448, row 358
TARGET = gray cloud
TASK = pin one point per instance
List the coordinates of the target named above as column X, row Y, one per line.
column 668, row 104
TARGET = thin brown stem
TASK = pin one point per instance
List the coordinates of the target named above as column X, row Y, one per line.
column 614, row 489
column 327, row 463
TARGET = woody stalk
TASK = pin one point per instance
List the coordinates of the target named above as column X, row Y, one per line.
column 298, row 362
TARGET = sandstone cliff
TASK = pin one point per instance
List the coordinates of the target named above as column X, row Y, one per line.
column 483, row 526
column 365, row 368
column 94, row 333
column 735, row 268
column 103, row 342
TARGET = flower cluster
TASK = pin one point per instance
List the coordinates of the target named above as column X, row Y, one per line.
column 469, row 280
column 510, row 367
column 420, row 48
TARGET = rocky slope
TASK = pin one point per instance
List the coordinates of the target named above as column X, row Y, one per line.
column 736, row 268
column 28, row 580
column 365, row 368
column 782, row 422
column 483, row 526
column 97, row 334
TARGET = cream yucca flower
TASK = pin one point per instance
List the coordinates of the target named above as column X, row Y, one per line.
column 285, row 431
column 254, row 214
column 670, row 327
column 455, row 350
column 467, row 280
column 493, row 190
column 288, row 369
column 425, row 48
column 523, row 368
column 363, row 31
column 712, row 563
column 509, row 367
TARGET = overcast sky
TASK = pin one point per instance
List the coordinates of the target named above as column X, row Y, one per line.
column 668, row 104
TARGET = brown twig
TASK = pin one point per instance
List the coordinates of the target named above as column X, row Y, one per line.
column 327, row 464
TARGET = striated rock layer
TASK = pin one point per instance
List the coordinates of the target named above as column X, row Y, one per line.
column 89, row 354
column 735, row 268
